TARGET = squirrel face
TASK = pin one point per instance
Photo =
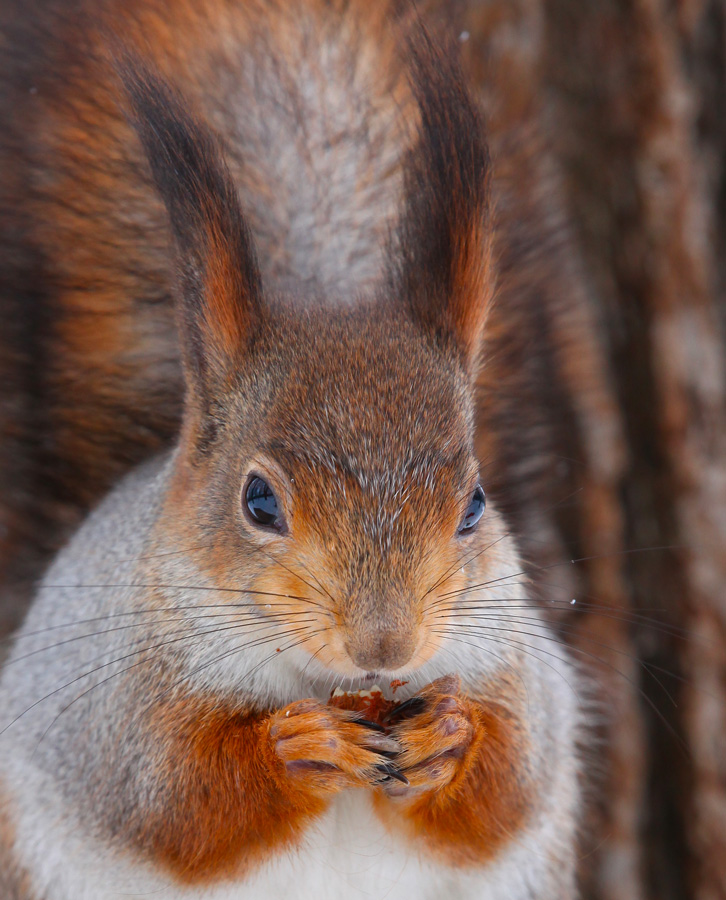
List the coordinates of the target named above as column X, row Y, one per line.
column 351, row 422
column 356, row 432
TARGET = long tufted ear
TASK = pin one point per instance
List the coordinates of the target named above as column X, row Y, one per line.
column 218, row 281
column 443, row 248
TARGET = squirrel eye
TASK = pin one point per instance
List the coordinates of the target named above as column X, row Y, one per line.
column 475, row 511
column 261, row 503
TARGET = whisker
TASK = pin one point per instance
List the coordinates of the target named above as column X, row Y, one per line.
column 548, row 635
column 227, row 654
column 150, row 611
column 181, row 587
column 449, row 573
column 259, row 621
column 312, row 657
column 258, row 642
column 500, row 659
column 296, row 575
column 184, row 550
column 507, row 643
column 459, row 564
column 529, row 572
column 526, row 603
column 153, row 647
column 590, row 656
column 628, row 617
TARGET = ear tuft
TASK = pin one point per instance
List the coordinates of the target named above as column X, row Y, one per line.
column 443, row 249
column 219, row 289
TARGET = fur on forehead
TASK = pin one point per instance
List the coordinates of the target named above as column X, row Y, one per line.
column 360, row 390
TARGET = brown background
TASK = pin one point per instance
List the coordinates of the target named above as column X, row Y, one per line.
column 628, row 102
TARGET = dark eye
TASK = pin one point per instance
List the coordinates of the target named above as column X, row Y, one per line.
column 261, row 503
column 477, row 505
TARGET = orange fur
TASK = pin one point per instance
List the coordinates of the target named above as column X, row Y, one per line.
column 239, row 785
column 228, row 318
column 466, row 763
column 14, row 882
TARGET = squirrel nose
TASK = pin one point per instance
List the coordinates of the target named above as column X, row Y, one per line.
column 382, row 648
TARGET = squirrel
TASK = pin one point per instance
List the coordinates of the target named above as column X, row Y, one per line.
column 271, row 237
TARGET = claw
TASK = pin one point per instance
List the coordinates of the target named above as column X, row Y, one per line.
column 366, row 723
column 411, row 707
column 389, row 771
column 389, row 754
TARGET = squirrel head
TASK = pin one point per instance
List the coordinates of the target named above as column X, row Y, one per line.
column 326, row 463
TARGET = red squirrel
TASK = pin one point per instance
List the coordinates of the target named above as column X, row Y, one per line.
column 272, row 224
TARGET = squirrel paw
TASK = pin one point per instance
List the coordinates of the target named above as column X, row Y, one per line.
column 435, row 730
column 330, row 749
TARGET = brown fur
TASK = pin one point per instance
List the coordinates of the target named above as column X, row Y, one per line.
column 89, row 353
column 93, row 357
column 319, row 465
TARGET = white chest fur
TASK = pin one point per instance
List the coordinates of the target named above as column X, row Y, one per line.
column 347, row 854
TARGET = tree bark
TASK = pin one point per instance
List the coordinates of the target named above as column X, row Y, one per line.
column 628, row 100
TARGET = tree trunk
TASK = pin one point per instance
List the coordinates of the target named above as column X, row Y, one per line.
column 629, row 100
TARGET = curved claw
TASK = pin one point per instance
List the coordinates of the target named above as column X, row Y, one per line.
column 366, row 723
column 389, row 772
column 409, row 708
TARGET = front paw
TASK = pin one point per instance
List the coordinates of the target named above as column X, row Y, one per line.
column 435, row 730
column 326, row 749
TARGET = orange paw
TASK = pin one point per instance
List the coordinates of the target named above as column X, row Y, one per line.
column 328, row 749
column 435, row 731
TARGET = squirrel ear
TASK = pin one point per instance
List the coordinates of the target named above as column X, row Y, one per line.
column 442, row 269
column 218, row 281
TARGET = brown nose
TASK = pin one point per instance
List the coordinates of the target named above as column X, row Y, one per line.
column 380, row 648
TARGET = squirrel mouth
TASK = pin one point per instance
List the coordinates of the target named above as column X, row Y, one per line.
column 375, row 704
column 370, row 686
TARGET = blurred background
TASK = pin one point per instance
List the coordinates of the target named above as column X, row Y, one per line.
column 602, row 413
column 608, row 128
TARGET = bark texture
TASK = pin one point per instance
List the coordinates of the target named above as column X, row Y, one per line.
column 628, row 100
